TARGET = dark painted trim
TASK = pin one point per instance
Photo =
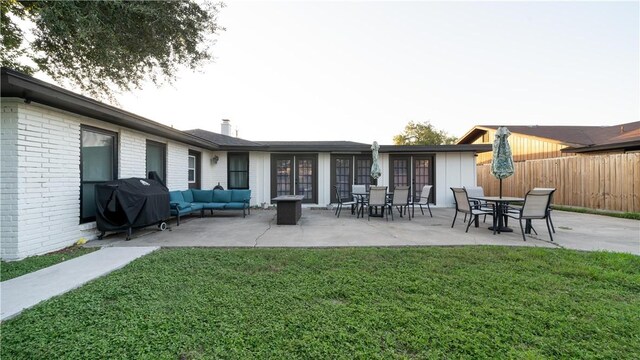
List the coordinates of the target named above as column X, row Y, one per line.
column 20, row 85
column 198, row 183
column 244, row 154
column 114, row 169
column 294, row 172
column 164, row 157
column 332, row 182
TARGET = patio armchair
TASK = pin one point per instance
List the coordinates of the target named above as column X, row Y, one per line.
column 359, row 193
column 343, row 202
column 476, row 191
column 535, row 207
column 464, row 205
column 425, row 195
column 550, row 201
column 378, row 198
column 400, row 200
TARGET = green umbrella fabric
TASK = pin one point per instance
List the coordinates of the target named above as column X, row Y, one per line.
column 502, row 160
column 375, row 166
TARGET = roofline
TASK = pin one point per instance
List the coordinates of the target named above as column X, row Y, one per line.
column 475, row 148
column 486, row 128
column 468, row 133
column 19, row 85
column 612, row 146
column 319, row 148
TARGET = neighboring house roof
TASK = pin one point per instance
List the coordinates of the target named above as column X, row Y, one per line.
column 19, row 85
column 225, row 141
column 572, row 136
column 627, row 141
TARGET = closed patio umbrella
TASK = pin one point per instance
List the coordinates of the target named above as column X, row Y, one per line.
column 375, row 166
column 502, row 160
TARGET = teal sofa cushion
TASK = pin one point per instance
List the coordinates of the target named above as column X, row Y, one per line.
column 221, row 196
column 215, row 206
column 240, row 195
column 188, row 195
column 181, row 205
column 235, row 205
column 197, row 206
column 176, row 196
column 202, row 196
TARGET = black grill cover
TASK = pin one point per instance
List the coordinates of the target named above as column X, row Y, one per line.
column 130, row 203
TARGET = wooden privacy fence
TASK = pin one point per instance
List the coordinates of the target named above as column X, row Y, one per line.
column 610, row 182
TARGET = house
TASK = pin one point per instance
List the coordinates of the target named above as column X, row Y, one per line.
column 541, row 142
column 57, row 145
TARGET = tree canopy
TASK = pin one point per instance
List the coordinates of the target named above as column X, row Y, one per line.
column 423, row 134
column 102, row 46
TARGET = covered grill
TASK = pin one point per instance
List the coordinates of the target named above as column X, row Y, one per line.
column 125, row 204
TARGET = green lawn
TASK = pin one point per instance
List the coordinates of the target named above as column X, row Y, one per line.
column 453, row 302
column 12, row 269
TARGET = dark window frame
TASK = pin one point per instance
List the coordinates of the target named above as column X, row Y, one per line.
column 229, row 171
column 295, row 157
column 198, row 170
column 164, row 158
column 84, row 220
column 411, row 158
column 333, row 172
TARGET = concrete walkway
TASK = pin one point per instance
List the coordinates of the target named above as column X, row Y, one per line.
column 28, row 290
column 320, row 228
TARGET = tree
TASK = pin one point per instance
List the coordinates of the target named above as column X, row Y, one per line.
column 423, row 134
column 103, row 46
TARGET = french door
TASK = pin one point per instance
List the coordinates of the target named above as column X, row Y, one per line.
column 347, row 170
column 295, row 175
column 412, row 170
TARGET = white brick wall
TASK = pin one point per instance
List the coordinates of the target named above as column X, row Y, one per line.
column 9, row 181
column 177, row 162
column 48, row 181
column 40, row 175
column 132, row 154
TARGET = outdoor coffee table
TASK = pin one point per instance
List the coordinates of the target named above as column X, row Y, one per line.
column 289, row 209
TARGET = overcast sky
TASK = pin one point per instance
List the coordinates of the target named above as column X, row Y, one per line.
column 360, row 71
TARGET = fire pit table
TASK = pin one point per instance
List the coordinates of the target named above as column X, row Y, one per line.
column 289, row 209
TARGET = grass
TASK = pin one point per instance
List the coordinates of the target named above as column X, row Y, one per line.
column 12, row 269
column 624, row 215
column 439, row 302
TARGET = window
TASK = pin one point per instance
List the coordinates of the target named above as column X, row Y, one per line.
column 192, row 169
column 98, row 164
column 238, row 170
column 156, row 159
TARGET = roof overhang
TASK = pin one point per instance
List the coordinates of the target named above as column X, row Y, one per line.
column 472, row 134
column 623, row 146
column 474, row 148
column 319, row 148
column 18, row 85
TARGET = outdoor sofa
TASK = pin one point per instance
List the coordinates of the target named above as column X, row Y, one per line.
column 193, row 200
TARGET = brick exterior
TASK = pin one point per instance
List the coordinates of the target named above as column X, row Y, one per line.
column 40, row 178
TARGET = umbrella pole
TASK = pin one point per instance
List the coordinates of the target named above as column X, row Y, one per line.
column 500, row 188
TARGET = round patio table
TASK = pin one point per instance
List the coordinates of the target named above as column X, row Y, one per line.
column 501, row 203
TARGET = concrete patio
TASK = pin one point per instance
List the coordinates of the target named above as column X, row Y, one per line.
column 320, row 228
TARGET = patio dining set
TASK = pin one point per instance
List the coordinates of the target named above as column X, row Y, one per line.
column 471, row 201
column 377, row 201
